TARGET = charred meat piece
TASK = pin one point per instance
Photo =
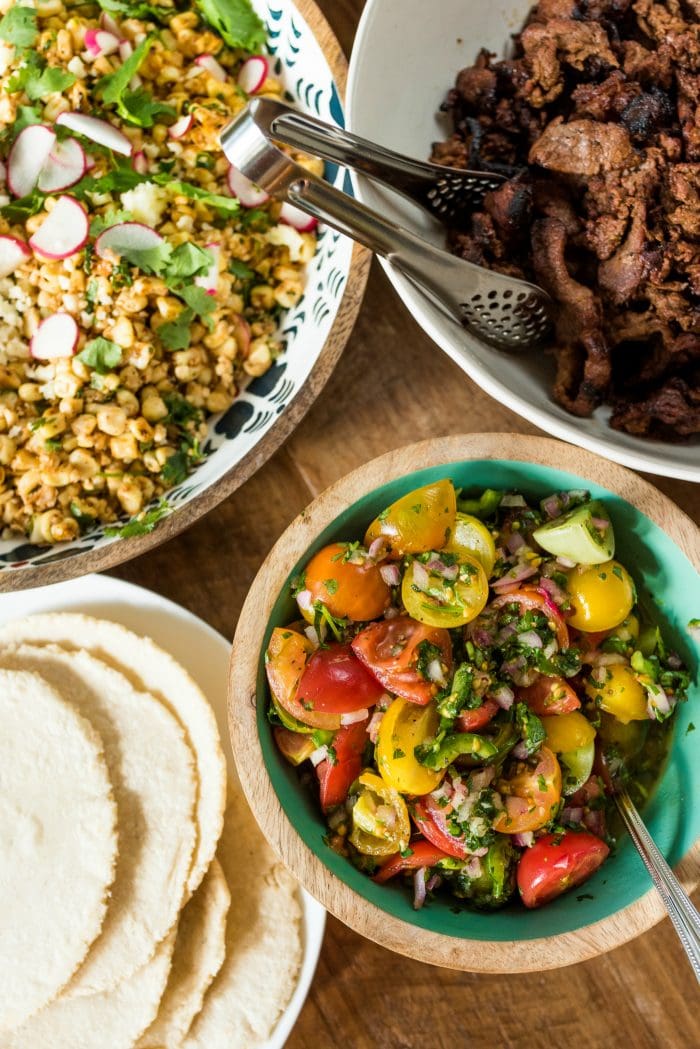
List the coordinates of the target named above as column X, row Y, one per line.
column 673, row 411
column 583, row 147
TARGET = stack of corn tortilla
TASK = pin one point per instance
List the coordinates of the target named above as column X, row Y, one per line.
column 141, row 905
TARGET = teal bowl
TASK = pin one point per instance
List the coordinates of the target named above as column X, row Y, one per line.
column 661, row 547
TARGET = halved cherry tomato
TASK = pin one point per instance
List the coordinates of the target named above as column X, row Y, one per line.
column 389, row 648
column 348, row 589
column 530, row 796
column 556, row 863
column 285, row 661
column 405, row 726
column 380, row 821
column 336, row 682
column 530, row 599
column 443, row 602
column 335, row 778
column 432, row 821
column 422, row 520
column 549, row 695
column 471, row 538
column 475, row 720
column 423, row 854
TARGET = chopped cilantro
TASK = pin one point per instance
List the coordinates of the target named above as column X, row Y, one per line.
column 101, row 355
column 85, row 521
column 137, row 9
column 110, row 218
column 235, row 21
column 178, row 467
column 142, row 524
column 331, row 586
column 175, row 334
column 426, row 652
column 690, row 728
column 53, row 444
column 50, row 81
column 187, row 260
column 405, row 853
column 240, row 270
column 136, row 107
column 226, row 205
column 398, row 753
column 530, row 728
column 19, row 26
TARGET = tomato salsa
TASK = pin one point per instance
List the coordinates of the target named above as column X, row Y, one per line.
column 464, row 685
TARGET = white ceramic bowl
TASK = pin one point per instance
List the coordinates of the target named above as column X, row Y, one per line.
column 306, row 57
column 404, row 61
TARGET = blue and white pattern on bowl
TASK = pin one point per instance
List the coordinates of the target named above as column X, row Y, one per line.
column 299, row 62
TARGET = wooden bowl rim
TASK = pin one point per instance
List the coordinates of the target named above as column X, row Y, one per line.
column 347, row 905
column 121, row 550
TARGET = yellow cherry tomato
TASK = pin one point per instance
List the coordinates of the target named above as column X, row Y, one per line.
column 404, row 726
column 601, row 596
column 422, row 520
column 380, row 821
column 530, row 796
column 568, row 731
column 617, row 690
column 471, row 538
column 435, row 600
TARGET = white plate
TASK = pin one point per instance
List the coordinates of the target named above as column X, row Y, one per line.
column 204, row 654
column 402, row 65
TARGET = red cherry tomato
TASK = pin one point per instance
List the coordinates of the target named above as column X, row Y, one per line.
column 346, row 589
column 475, row 720
column 431, row 821
column 549, row 695
column 531, row 600
column 390, row 649
column 557, row 863
column 335, row 682
column 423, row 854
column 336, row 777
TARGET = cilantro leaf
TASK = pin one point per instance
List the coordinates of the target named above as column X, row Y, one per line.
column 176, row 468
column 50, row 80
column 530, row 728
column 199, row 301
column 235, row 21
column 188, row 260
column 119, row 180
column 24, row 207
column 101, row 354
column 138, row 9
column 19, row 27
column 139, row 107
column 110, row 218
column 141, row 525
column 114, row 89
column 175, row 334
column 226, row 205
column 240, row 270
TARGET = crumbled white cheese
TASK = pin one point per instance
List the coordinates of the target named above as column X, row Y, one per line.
column 77, row 67
column 286, row 236
column 146, row 202
column 7, row 54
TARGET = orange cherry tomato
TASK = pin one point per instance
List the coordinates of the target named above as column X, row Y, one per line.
column 530, row 796
column 285, row 661
column 422, row 520
column 528, row 598
column 348, row 590
column 549, row 695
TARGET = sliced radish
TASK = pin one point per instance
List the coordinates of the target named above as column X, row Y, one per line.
column 109, row 23
column 27, row 157
column 212, row 67
column 139, row 162
column 63, row 232
column 250, row 195
column 65, row 166
column 297, row 218
column 100, row 131
column 12, row 252
column 57, row 336
column 100, row 42
column 181, row 126
column 127, row 236
column 209, row 280
column 253, row 74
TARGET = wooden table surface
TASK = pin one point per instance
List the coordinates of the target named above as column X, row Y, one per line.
column 393, row 386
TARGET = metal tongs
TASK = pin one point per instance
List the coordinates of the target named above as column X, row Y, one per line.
column 507, row 313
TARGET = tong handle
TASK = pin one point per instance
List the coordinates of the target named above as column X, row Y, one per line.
column 332, row 143
column 439, row 275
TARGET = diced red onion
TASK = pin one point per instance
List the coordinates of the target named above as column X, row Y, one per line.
column 513, row 499
column 482, row 778
column 565, row 562
column 385, row 701
column 473, row 868
column 594, row 821
column 446, row 571
column 457, row 792
column 305, row 600
column 514, row 542
column 421, row 579
column 310, row 632
column 572, row 814
column 531, row 639
column 551, row 506
column 390, row 574
column 514, row 576
column 482, row 637
column 658, row 702
column 373, row 726
column 392, row 612
column 506, row 632
column 604, row 659
column 353, row 717
column 601, row 523
column 503, row 695
column 519, row 751
column 419, row 887
column 524, row 840
column 554, row 593
column 318, row 755
column 377, row 549
column 435, row 672
column 434, row 882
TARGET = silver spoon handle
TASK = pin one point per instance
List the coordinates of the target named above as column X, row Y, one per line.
column 681, row 911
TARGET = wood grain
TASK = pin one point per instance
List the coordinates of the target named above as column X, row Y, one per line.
column 393, row 386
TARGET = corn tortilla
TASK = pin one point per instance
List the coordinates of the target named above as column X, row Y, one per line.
column 263, row 940
column 58, row 842
column 199, row 954
column 149, row 669
column 152, row 772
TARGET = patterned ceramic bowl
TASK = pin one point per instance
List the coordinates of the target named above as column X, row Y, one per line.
column 307, row 58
